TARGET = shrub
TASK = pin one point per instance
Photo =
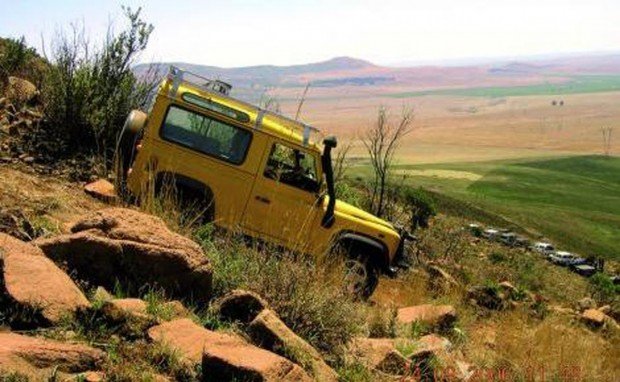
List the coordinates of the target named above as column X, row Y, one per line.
column 349, row 194
column 422, row 206
column 15, row 56
column 602, row 288
column 87, row 97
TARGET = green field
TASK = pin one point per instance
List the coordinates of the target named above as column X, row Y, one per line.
column 573, row 201
column 577, row 84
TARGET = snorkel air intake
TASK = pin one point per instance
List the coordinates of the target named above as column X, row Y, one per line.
column 326, row 161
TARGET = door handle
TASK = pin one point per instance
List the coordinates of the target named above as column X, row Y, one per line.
column 262, row 199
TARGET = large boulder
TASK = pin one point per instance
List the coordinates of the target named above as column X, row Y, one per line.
column 268, row 331
column 224, row 356
column 379, row 354
column 38, row 358
column 431, row 316
column 32, row 281
column 134, row 248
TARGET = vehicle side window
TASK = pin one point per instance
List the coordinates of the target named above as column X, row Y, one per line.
column 206, row 135
column 293, row 167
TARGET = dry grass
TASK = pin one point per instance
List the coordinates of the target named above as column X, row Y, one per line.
column 514, row 342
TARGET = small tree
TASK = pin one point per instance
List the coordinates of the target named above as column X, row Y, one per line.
column 381, row 142
column 88, row 92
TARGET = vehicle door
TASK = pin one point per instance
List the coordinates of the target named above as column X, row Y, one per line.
column 210, row 150
column 284, row 200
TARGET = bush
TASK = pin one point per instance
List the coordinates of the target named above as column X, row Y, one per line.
column 87, row 97
column 602, row 288
column 15, row 56
column 421, row 204
column 349, row 194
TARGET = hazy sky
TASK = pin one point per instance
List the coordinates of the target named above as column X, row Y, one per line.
column 281, row 32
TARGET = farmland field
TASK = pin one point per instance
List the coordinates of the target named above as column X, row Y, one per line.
column 575, row 85
column 573, row 201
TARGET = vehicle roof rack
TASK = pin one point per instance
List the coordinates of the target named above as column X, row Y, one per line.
column 178, row 75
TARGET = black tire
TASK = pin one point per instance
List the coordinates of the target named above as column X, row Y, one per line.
column 126, row 148
column 361, row 276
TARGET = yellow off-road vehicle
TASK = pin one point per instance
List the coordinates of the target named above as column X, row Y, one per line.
column 254, row 171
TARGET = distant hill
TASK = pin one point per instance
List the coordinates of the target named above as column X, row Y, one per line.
column 352, row 73
column 268, row 75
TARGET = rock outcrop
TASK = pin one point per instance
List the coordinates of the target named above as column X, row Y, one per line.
column 268, row 331
column 32, row 281
column 224, row 356
column 36, row 358
column 133, row 248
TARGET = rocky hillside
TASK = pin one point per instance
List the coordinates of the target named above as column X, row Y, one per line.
column 98, row 292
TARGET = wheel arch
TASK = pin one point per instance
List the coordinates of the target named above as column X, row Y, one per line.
column 378, row 252
column 185, row 183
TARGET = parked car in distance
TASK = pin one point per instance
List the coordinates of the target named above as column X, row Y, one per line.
column 584, row 270
column 490, row 233
column 521, row 241
column 562, row 258
column 578, row 261
column 508, row 238
column 543, row 248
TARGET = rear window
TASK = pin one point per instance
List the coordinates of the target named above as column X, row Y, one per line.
column 206, row 135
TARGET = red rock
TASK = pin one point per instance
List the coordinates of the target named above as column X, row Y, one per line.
column 431, row 343
column 101, row 189
column 34, row 281
column 268, row 330
column 593, row 317
column 379, row 354
column 442, row 316
column 121, row 308
column 37, row 357
column 124, row 244
column 224, row 356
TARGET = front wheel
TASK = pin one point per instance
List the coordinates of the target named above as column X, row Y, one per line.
column 361, row 276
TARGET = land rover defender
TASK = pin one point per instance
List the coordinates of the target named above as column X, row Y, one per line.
column 253, row 170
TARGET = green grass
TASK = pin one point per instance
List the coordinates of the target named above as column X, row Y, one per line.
column 577, row 84
column 573, row 201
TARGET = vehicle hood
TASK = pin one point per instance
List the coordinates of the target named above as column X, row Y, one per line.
column 350, row 210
